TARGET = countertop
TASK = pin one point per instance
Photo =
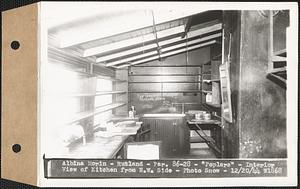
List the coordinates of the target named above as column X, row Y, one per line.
column 104, row 144
column 211, row 121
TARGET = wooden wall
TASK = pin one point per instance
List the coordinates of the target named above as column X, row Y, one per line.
column 161, row 102
column 258, row 129
column 263, row 102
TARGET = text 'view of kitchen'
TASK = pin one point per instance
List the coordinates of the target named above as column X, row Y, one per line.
column 158, row 84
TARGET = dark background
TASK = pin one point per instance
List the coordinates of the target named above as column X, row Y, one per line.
column 10, row 4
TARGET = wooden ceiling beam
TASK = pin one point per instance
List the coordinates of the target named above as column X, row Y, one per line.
column 147, row 38
column 182, row 44
column 191, row 34
column 132, row 41
column 171, row 53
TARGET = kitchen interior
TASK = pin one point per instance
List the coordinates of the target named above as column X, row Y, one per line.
column 144, row 84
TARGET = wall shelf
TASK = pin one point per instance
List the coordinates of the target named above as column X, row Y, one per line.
column 109, row 92
column 86, row 94
column 165, row 82
column 277, row 50
column 213, row 105
column 82, row 115
column 210, row 84
column 167, row 66
column 217, row 57
column 206, row 80
column 205, row 91
column 111, row 79
column 187, row 91
column 281, row 53
column 165, row 74
column 211, row 80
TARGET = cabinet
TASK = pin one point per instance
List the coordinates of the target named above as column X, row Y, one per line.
column 172, row 132
column 211, row 83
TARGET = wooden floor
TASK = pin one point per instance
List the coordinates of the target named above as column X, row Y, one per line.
column 200, row 151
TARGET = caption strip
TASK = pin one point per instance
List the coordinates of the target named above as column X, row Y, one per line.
column 64, row 168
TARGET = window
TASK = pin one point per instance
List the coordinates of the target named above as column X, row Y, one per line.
column 102, row 100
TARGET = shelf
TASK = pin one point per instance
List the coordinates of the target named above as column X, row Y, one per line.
column 165, row 82
column 277, row 70
column 278, row 75
column 207, row 63
column 164, row 74
column 98, row 76
column 168, row 66
column 206, row 80
column 83, row 73
column 204, row 91
column 111, row 79
column 195, row 91
column 281, row 53
column 85, row 94
column 98, row 110
column 211, row 80
column 213, row 105
column 109, row 92
column 278, row 59
column 217, row 56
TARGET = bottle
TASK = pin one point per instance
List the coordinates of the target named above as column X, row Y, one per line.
column 133, row 111
column 130, row 114
column 209, row 97
column 207, row 116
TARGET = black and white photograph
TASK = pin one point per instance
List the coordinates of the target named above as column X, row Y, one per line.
column 167, row 93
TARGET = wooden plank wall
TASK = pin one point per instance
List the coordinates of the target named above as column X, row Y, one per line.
column 159, row 102
column 258, row 129
column 262, row 102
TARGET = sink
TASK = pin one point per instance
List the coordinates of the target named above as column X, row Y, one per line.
column 164, row 115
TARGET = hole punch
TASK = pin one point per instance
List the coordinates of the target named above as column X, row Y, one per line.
column 16, row 148
column 15, row 45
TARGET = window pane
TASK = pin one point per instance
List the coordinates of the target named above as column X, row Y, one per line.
column 103, row 85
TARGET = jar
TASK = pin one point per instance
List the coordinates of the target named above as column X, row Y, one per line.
column 208, row 97
column 207, row 116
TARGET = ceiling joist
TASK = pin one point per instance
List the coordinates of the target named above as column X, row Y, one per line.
column 132, row 41
column 182, row 44
column 168, row 54
column 162, row 42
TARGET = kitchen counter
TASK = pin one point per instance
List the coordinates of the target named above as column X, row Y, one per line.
column 124, row 118
column 163, row 115
column 104, row 144
column 99, row 147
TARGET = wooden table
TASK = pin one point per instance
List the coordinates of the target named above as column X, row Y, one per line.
column 215, row 140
